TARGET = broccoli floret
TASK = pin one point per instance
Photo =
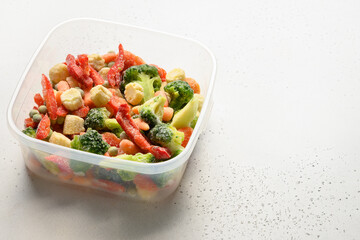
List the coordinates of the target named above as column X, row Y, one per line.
column 79, row 167
column 114, row 126
column 180, row 92
column 91, row 142
column 96, row 118
column 152, row 110
column 30, row 132
column 145, row 75
column 185, row 116
column 162, row 179
column 167, row 136
column 139, row 157
column 106, row 174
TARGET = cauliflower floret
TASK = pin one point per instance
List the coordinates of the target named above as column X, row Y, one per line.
column 96, row 61
column 175, row 74
column 71, row 99
column 73, row 125
column 72, row 82
column 103, row 73
column 100, row 95
column 58, row 73
column 134, row 93
column 59, row 139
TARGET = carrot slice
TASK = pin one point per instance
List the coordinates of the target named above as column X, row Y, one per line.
column 81, row 112
column 63, row 86
column 109, row 57
column 161, row 71
column 187, row 134
column 193, row 84
column 61, row 111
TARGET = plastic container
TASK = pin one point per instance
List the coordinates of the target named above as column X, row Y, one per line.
column 150, row 182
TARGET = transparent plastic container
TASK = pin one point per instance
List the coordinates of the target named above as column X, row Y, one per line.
column 145, row 181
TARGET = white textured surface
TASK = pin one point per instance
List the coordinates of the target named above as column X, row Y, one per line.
column 280, row 158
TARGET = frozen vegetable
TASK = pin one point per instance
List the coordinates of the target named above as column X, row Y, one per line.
column 118, row 106
column 180, row 93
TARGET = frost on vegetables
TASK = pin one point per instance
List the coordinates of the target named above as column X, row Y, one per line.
column 118, row 106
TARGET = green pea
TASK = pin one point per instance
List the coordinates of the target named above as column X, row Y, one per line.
column 33, row 112
column 110, row 64
column 81, row 91
column 37, row 117
column 123, row 136
column 60, row 120
column 106, row 84
column 113, row 151
column 43, row 109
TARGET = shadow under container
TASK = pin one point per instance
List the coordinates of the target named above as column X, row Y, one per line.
column 144, row 181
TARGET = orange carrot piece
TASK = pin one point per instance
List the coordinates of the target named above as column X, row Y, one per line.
column 162, row 93
column 129, row 147
column 193, row 84
column 63, row 86
column 109, row 57
column 142, row 125
column 168, row 114
column 187, row 134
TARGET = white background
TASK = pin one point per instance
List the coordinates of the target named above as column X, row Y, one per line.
column 280, row 158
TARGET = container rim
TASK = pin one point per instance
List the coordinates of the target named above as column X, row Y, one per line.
column 146, row 168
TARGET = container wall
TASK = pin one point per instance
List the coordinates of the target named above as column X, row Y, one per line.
column 132, row 184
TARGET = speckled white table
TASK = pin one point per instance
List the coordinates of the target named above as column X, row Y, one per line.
column 280, row 158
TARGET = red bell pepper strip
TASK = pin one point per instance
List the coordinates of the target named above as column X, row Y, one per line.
column 84, row 64
column 98, row 80
column 114, row 72
column 29, row 122
column 38, row 99
column 61, row 111
column 43, row 129
column 81, row 112
column 132, row 131
column 161, row 71
column 49, row 96
column 77, row 72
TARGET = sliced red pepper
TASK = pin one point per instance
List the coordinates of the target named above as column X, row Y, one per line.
column 132, row 131
column 61, row 111
column 81, row 112
column 115, row 102
column 29, row 122
column 114, row 72
column 38, row 99
column 84, row 64
column 49, row 96
column 98, row 80
column 43, row 129
column 161, row 71
column 77, row 72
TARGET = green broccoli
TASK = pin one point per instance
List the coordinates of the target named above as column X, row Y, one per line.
column 152, row 110
column 79, row 167
column 96, row 118
column 30, row 132
column 91, row 142
column 162, row 179
column 180, row 92
column 185, row 116
column 106, row 174
column 167, row 136
column 145, row 75
column 114, row 126
column 139, row 157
